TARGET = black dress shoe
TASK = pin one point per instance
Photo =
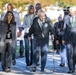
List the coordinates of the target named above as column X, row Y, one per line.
column 34, row 69
column 42, row 70
column 14, row 62
column 28, row 65
column 62, row 65
column 71, row 71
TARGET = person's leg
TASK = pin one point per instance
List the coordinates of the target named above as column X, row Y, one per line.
column 14, row 54
column 31, row 57
column 21, row 48
column 70, row 57
column 3, row 58
column 35, row 54
column 0, row 56
column 27, row 51
column 44, row 50
column 58, row 48
column 32, row 49
column 3, row 61
column 74, row 57
column 63, row 55
column 9, row 56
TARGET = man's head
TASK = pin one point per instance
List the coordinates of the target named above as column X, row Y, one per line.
column 60, row 17
column 41, row 15
column 38, row 7
column 72, row 11
column 9, row 7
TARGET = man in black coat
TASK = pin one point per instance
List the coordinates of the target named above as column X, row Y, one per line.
column 40, row 28
column 70, row 38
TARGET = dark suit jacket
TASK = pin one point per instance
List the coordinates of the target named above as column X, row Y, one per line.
column 70, row 32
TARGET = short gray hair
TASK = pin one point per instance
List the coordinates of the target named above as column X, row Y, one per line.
column 73, row 8
column 40, row 11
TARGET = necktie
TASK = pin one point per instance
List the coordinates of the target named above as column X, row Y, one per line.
column 72, row 21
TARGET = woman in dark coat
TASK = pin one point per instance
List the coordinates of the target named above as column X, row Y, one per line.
column 10, row 37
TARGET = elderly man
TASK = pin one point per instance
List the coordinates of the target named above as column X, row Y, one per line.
column 70, row 38
column 40, row 29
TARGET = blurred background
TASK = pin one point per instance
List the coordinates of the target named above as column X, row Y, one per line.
column 52, row 7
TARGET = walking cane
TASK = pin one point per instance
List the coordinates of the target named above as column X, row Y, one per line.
column 53, row 58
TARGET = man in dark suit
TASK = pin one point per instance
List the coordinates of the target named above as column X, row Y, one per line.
column 40, row 29
column 70, row 38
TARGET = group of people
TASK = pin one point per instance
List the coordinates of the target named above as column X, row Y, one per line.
column 64, row 38
column 37, row 27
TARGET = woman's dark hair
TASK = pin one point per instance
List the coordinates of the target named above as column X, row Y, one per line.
column 6, row 18
column 29, row 8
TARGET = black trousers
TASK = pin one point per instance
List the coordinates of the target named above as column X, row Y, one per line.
column 21, row 51
column 32, row 49
column 29, row 56
column 6, row 56
column 71, row 55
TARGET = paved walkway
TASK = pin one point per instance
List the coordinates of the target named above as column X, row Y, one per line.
column 20, row 67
